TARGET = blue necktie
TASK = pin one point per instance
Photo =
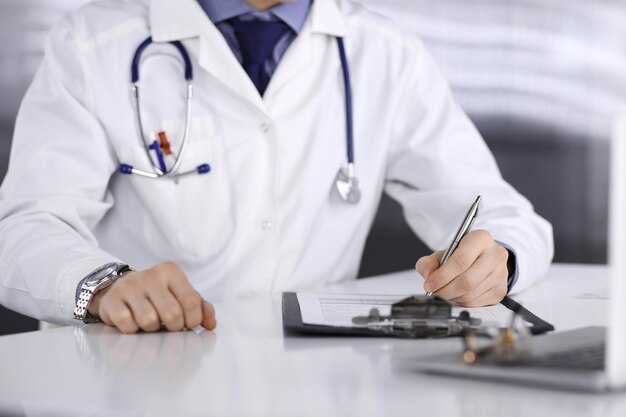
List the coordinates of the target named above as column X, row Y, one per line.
column 257, row 40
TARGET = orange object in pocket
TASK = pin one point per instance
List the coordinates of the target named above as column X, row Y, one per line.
column 164, row 143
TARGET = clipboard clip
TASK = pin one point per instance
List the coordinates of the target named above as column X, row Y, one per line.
column 419, row 316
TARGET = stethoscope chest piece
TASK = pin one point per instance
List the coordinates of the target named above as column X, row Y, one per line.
column 348, row 186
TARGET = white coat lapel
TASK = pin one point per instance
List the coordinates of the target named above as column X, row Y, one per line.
column 327, row 18
column 324, row 18
column 296, row 59
column 182, row 19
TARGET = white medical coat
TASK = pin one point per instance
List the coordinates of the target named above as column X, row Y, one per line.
column 267, row 218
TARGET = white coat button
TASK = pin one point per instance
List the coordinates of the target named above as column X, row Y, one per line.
column 266, row 225
column 265, row 127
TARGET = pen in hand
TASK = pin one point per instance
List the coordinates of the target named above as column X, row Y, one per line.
column 463, row 230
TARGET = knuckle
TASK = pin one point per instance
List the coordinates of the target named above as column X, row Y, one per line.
column 148, row 320
column 465, row 283
column 427, row 264
column 194, row 321
column 121, row 316
column 418, row 263
column 171, row 314
column 128, row 291
column 208, row 308
column 144, row 278
column 483, row 235
column 502, row 253
column 181, row 279
column 169, row 267
column 461, row 262
column 170, row 272
column 168, row 264
column 421, row 267
column 190, row 301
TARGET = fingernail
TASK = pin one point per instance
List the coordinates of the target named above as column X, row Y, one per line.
column 429, row 287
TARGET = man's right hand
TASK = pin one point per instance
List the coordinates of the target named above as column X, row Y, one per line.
column 143, row 300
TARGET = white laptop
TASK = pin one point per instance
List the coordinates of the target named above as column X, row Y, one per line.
column 587, row 359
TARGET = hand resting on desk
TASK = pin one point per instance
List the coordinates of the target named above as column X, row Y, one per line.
column 475, row 275
column 143, row 300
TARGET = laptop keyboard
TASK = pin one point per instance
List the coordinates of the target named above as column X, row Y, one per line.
column 589, row 357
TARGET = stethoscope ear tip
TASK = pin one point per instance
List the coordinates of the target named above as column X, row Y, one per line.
column 203, row 169
column 125, row 169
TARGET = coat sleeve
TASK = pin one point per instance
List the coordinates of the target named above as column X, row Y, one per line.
column 55, row 190
column 437, row 165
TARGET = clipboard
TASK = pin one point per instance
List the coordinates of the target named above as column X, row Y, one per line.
column 293, row 324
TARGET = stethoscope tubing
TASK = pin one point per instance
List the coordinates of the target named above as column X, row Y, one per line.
column 348, row 97
column 135, row 96
column 347, row 183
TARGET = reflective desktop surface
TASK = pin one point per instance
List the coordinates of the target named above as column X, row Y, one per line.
column 248, row 368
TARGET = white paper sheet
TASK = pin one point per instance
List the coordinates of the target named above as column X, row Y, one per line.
column 339, row 309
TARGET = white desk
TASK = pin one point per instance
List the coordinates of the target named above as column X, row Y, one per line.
column 247, row 367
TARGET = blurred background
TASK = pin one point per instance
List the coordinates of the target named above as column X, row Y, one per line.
column 542, row 80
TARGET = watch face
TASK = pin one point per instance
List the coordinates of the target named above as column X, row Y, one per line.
column 101, row 273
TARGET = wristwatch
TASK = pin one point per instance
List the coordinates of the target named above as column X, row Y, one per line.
column 98, row 280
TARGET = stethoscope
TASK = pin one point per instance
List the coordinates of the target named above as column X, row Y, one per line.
column 346, row 182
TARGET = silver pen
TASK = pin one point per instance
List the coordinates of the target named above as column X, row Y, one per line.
column 463, row 229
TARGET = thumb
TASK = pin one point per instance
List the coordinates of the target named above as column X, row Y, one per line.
column 427, row 264
column 208, row 316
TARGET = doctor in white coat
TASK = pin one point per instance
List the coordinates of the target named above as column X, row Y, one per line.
column 268, row 216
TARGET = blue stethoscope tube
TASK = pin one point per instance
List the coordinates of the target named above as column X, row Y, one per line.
column 346, row 181
column 159, row 169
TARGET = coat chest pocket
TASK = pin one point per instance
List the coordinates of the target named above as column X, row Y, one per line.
column 194, row 215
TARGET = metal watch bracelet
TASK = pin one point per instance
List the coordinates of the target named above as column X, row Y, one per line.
column 101, row 278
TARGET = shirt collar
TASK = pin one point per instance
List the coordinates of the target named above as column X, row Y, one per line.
column 182, row 19
column 293, row 13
